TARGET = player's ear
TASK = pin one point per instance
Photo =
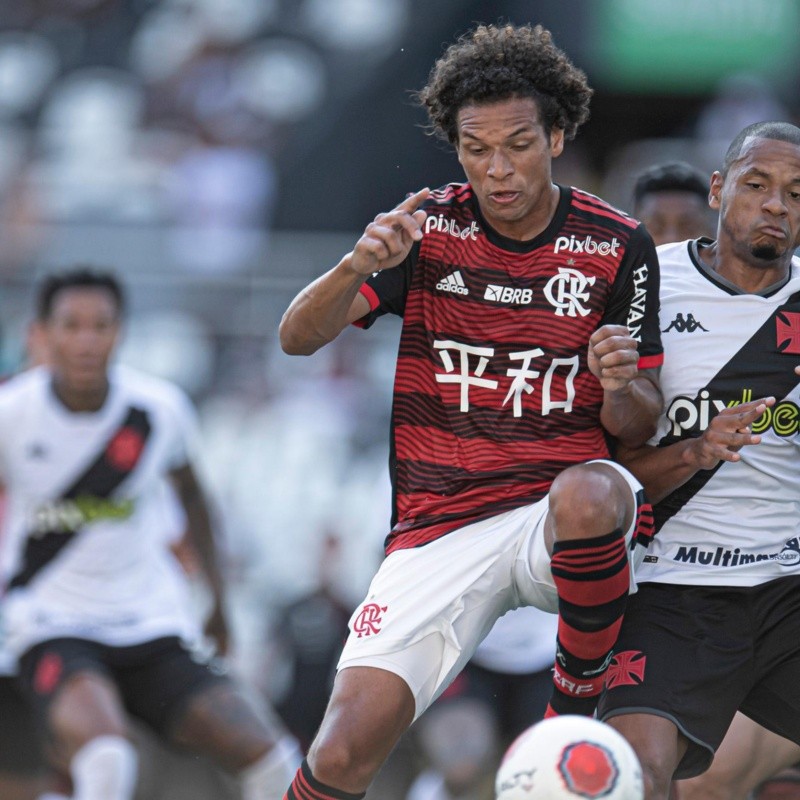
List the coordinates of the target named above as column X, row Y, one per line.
column 556, row 141
column 715, row 191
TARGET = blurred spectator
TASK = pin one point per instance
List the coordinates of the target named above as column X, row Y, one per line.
column 309, row 633
column 740, row 100
column 220, row 200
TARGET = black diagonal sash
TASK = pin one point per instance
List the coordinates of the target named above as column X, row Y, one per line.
column 118, row 459
column 765, row 365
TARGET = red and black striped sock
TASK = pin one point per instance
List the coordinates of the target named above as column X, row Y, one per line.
column 591, row 578
column 306, row 787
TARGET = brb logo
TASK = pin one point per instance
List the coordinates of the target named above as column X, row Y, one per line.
column 694, row 414
column 586, row 245
column 369, row 619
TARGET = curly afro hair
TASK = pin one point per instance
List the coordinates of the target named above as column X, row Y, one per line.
column 492, row 63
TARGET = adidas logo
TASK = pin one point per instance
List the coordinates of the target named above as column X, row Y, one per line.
column 453, row 283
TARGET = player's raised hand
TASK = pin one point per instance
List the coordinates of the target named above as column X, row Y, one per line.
column 727, row 433
column 613, row 356
column 389, row 237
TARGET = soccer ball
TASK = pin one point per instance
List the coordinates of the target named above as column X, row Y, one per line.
column 569, row 757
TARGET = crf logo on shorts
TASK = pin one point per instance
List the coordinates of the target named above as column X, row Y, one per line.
column 627, row 669
column 369, row 619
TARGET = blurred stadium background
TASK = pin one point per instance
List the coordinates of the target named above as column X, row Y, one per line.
column 218, row 154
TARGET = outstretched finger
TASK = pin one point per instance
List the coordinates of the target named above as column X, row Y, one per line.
column 413, row 201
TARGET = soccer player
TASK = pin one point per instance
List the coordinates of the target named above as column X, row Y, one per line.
column 671, row 201
column 95, row 607
column 711, row 628
column 529, row 333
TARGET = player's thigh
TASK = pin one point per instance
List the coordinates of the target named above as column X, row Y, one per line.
column 774, row 700
column 428, row 608
column 658, row 744
column 187, row 699
column 73, row 691
column 748, row 755
column 369, row 710
column 683, row 654
column 219, row 722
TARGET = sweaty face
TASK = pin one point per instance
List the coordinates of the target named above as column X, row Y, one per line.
column 674, row 216
column 80, row 333
column 759, row 202
column 506, row 156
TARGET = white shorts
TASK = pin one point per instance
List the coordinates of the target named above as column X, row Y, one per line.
column 429, row 607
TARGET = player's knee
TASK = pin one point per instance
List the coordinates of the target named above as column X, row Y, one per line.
column 657, row 779
column 590, row 500
column 342, row 764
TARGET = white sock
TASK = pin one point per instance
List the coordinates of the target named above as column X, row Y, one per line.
column 270, row 777
column 105, row 769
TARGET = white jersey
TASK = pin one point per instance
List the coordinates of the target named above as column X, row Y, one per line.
column 83, row 548
column 739, row 523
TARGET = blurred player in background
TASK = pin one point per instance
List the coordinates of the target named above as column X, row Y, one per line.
column 530, row 331
column 671, row 201
column 96, row 608
column 713, row 627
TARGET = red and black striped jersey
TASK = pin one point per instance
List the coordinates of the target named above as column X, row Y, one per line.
column 493, row 396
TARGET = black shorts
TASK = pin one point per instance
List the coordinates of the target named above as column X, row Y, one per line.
column 697, row 654
column 156, row 679
column 21, row 739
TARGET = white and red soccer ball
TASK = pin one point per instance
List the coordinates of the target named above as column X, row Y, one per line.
column 569, row 757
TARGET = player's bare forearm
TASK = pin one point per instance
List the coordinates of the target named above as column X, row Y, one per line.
column 631, row 412
column 200, row 527
column 322, row 310
column 660, row 470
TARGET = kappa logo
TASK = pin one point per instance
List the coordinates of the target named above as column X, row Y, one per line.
column 453, row 283
column 688, row 325
column 627, row 669
column 507, row 294
column 369, row 619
